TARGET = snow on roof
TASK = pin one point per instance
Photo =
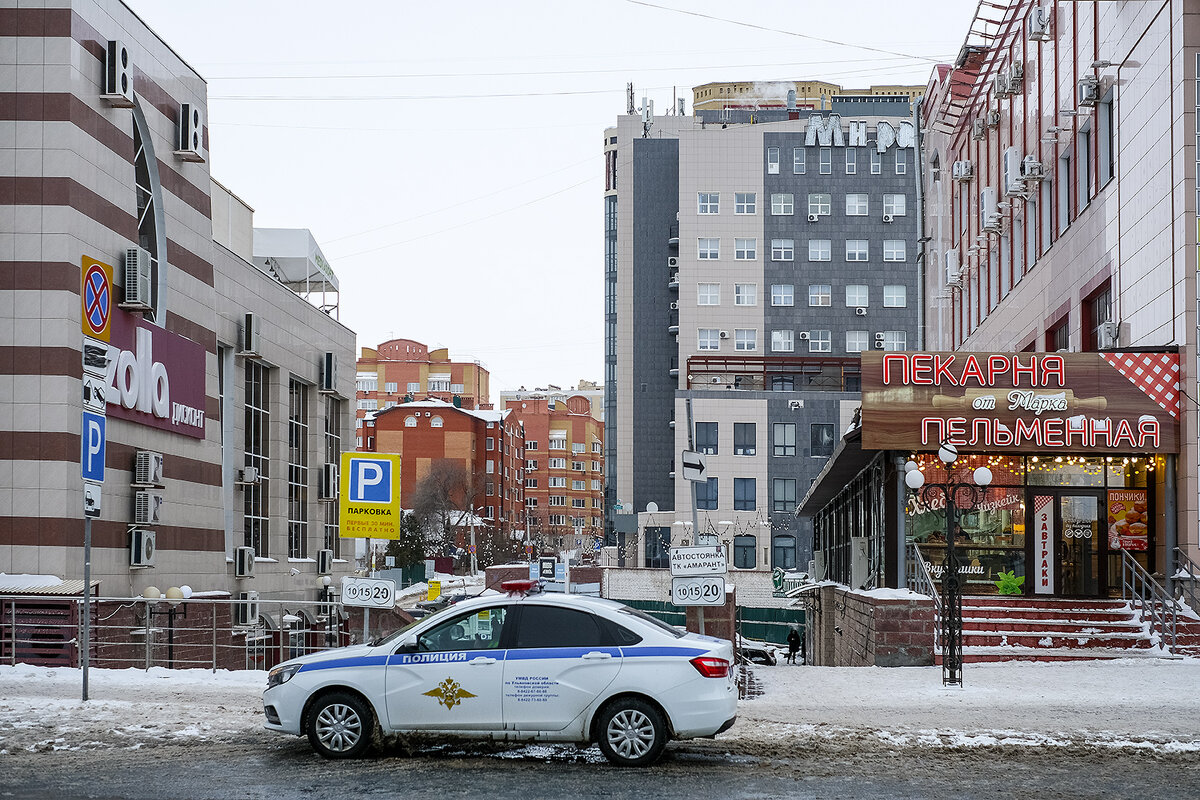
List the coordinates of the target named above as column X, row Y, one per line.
column 41, row 584
column 487, row 415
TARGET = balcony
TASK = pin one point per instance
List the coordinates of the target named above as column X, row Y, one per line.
column 775, row 373
column 673, row 321
column 673, row 235
column 673, row 281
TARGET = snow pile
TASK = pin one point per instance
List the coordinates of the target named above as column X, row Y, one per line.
column 1144, row 705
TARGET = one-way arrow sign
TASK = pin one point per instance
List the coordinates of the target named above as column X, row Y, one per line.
column 694, row 467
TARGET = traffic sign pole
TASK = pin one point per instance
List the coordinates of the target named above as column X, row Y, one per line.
column 87, row 602
column 691, row 430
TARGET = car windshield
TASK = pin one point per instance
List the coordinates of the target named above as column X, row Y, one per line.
column 657, row 623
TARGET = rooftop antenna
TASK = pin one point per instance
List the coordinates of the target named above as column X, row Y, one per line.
column 629, row 109
column 679, row 107
column 647, row 117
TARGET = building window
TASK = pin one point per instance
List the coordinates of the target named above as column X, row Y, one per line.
column 557, row 500
column 819, row 341
column 851, row 161
column 531, row 483
column 579, row 502
column 782, row 205
column 708, row 203
column 894, row 250
column 856, row 341
column 783, row 495
column 436, row 422
column 743, row 494
column 895, row 296
column 744, row 551
column 578, row 447
column 783, row 294
column 820, row 294
column 745, row 202
column 820, row 204
column 297, row 508
column 783, row 439
column 708, row 339
column 895, row 340
column 857, row 295
column 706, row 438
column 410, row 422
column 557, row 482
column 531, row 502
column 783, row 383
column 489, row 489
column 491, row 466
column 876, row 163
column 578, row 466
column 745, row 339
column 1104, row 136
column 856, row 205
column 901, row 161
column 798, row 166
column 414, row 386
column 820, row 250
column 658, row 546
column 256, row 496
column 706, row 495
column 366, row 385
column 856, row 250
column 783, row 341
column 784, row 552
column 821, row 439
column 772, row 160
column 333, row 455
column 579, row 486
column 558, row 440
column 745, row 249
column 456, row 388
column 745, row 294
column 745, row 438
column 1097, row 310
column 895, row 204
column 439, row 384
column 556, row 463
column 783, row 249
column 708, row 294
column 491, row 443
column 826, row 161
column 532, row 444
column 390, row 387
column 368, row 405
column 708, row 249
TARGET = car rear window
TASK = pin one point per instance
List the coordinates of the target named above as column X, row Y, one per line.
column 649, row 620
column 550, row 626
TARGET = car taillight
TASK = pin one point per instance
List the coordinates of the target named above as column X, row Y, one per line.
column 711, row 667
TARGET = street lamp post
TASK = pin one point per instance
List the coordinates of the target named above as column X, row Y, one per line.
column 950, row 491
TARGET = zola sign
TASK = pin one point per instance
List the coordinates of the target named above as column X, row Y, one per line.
column 154, row 377
column 989, row 402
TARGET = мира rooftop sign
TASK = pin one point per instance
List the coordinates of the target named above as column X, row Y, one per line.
column 987, row 402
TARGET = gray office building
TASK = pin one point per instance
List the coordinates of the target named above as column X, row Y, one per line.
column 750, row 257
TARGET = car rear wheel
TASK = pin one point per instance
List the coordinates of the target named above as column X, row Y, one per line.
column 340, row 726
column 631, row 733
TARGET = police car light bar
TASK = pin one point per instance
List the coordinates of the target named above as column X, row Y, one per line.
column 520, row 587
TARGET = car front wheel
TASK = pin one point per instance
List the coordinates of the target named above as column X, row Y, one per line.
column 340, row 726
column 631, row 733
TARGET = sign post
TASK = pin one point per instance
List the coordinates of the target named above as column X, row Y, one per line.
column 96, row 297
column 695, row 469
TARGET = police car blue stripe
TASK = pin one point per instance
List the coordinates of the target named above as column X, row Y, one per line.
column 524, row 654
column 338, row 663
column 636, row 652
column 559, row 652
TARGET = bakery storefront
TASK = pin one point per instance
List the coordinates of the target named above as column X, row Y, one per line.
column 1081, row 450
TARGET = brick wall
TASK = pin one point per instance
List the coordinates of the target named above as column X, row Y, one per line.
column 858, row 629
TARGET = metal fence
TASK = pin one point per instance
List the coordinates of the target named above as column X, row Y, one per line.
column 208, row 633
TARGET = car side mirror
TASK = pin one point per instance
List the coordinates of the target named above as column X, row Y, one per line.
column 407, row 646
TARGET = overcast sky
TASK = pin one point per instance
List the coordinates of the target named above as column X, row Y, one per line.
column 447, row 156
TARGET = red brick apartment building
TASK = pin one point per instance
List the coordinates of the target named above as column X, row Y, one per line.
column 404, row 368
column 564, row 470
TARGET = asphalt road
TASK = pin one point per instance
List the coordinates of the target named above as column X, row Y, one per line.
column 280, row 768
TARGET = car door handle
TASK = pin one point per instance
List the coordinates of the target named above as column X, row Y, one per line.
column 482, row 660
column 595, row 655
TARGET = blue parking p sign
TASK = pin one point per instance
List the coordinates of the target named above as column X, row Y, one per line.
column 91, row 456
column 370, row 480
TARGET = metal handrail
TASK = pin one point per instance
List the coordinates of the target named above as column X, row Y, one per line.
column 1186, row 579
column 919, row 579
column 1149, row 599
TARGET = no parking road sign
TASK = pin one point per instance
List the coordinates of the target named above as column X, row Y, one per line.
column 370, row 496
column 97, row 297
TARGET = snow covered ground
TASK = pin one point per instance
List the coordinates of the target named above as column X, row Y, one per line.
column 1131, row 704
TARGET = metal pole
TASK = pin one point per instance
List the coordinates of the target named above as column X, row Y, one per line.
column 367, row 609
column 87, row 603
column 691, row 432
column 952, row 605
column 474, row 563
column 213, row 606
column 901, row 552
column 1170, row 526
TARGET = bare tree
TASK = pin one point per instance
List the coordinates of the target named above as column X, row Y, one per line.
column 442, row 500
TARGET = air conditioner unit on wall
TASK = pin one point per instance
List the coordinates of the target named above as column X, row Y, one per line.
column 118, row 75
column 672, row 261
column 328, row 490
column 1038, row 24
column 245, row 610
column 1016, row 77
column 1108, row 336
column 724, row 334
column 674, row 306
column 251, row 335
column 243, row 562
column 879, row 336
column 813, row 217
column 1088, row 91
column 137, row 280
column 147, row 508
column 889, row 218
column 978, row 128
column 324, row 562
column 860, row 563
column 993, row 119
column 1000, row 85
column 148, row 469
column 191, row 133
column 963, row 171
column 802, row 336
column 143, row 546
column 879, row 345
column 860, row 311
column 1032, row 169
column 328, row 373
column 248, row 476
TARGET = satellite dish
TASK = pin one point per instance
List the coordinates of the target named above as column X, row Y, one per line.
column 651, row 507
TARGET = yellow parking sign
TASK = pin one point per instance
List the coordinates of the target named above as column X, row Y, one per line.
column 370, row 496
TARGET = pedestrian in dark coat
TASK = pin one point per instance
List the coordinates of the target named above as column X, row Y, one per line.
column 793, row 643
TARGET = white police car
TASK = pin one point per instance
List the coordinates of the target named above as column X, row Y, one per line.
column 522, row 666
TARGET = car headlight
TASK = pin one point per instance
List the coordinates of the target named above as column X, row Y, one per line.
column 282, row 674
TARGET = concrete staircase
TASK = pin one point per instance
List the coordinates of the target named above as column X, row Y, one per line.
column 1005, row 628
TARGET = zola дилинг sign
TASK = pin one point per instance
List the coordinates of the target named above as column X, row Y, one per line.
column 993, row 402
